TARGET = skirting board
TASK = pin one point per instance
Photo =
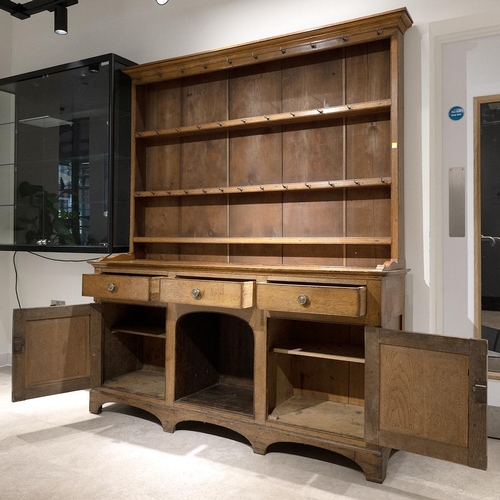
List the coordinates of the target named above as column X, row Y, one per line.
column 494, row 422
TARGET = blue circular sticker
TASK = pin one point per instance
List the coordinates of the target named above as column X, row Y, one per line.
column 456, row 113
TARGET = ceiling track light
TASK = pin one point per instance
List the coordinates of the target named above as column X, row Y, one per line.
column 27, row 9
column 61, row 20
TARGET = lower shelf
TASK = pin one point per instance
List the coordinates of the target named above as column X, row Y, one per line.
column 224, row 397
column 327, row 416
column 142, row 382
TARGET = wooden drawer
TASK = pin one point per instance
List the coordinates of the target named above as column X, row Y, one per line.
column 104, row 286
column 232, row 294
column 315, row 299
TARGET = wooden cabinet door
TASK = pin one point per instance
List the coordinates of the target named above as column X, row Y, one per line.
column 426, row 394
column 52, row 349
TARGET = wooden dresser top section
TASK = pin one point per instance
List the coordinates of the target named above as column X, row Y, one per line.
column 314, row 40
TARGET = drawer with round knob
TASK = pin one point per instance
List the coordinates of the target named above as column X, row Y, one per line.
column 316, row 299
column 117, row 287
column 215, row 293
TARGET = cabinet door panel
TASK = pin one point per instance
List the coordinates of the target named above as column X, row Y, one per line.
column 427, row 394
column 52, row 349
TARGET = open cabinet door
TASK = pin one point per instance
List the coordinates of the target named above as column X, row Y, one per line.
column 52, row 348
column 426, row 394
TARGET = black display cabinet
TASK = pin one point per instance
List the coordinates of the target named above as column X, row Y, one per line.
column 65, row 158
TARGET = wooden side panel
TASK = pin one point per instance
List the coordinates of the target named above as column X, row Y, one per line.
column 415, row 405
column 51, row 350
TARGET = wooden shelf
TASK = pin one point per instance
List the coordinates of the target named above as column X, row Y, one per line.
column 232, row 398
column 310, row 115
column 341, row 352
column 142, row 382
column 142, row 330
column 281, row 187
column 228, row 240
column 326, row 416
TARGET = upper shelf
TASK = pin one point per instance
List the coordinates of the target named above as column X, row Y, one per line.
column 355, row 109
column 268, row 188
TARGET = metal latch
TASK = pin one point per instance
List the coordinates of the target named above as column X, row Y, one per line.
column 480, row 392
column 18, row 345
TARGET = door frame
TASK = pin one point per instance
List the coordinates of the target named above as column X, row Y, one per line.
column 441, row 33
column 477, row 215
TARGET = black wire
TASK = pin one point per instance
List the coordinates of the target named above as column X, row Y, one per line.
column 67, row 260
column 47, row 258
column 15, row 286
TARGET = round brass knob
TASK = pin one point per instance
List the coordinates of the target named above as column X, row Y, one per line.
column 302, row 299
column 196, row 293
column 112, row 287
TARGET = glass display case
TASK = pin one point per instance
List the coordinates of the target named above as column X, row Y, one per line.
column 65, row 158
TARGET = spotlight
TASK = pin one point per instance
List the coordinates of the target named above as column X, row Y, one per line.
column 161, row 2
column 61, row 20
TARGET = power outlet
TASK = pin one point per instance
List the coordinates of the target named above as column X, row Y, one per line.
column 57, row 302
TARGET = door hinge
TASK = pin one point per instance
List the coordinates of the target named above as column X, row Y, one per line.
column 18, row 345
column 481, row 393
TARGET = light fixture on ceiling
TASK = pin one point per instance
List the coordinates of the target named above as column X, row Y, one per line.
column 61, row 20
column 27, row 9
column 161, row 2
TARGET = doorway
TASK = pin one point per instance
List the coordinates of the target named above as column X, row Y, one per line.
column 487, row 222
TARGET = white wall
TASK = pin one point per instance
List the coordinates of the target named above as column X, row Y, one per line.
column 143, row 31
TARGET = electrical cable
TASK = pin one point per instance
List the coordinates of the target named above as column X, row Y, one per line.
column 47, row 258
column 15, row 286
column 67, row 260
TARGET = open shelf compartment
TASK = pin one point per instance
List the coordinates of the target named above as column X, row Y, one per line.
column 214, row 362
column 134, row 349
column 316, row 376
